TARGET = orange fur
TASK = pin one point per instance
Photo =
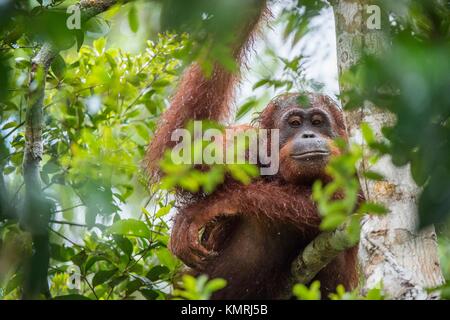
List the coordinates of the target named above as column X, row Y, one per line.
column 199, row 97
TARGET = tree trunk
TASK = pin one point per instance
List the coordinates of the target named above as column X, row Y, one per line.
column 392, row 251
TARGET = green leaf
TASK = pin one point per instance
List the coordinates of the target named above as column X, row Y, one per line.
column 149, row 294
column 59, row 67
column 14, row 283
column 372, row 208
column 163, row 211
column 245, row 108
column 9, row 125
column 418, row 170
column 367, row 133
column 161, row 83
column 22, row 63
column 97, row 27
column 374, row 294
column 117, row 280
column 130, row 227
column 142, row 131
column 51, row 167
column 332, row 221
column 124, row 244
column 103, row 276
column 80, row 258
column 260, row 83
column 372, row 175
column 302, row 292
column 100, row 45
column 354, row 228
column 79, row 34
column 61, row 252
column 8, row 170
column 155, row 273
column 215, row 285
column 134, row 285
column 166, row 258
column 92, row 260
column 133, row 19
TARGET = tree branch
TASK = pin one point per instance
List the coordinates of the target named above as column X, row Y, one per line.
column 72, row 224
column 91, row 8
column 320, row 252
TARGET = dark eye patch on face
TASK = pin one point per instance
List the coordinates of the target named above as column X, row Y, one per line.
column 295, row 121
column 317, row 119
column 293, row 115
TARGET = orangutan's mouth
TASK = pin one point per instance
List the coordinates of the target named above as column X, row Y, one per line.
column 311, row 155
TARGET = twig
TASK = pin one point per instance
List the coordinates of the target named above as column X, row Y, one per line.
column 73, row 224
column 69, row 208
column 90, row 286
column 65, row 238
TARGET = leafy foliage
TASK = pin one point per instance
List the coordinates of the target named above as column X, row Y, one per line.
column 193, row 177
column 341, row 294
column 101, row 106
column 312, row 292
column 340, row 200
column 302, row 292
column 199, row 288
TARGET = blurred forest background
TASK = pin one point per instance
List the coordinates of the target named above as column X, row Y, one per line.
column 96, row 229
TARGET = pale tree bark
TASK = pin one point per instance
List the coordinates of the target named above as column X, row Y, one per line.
column 392, row 251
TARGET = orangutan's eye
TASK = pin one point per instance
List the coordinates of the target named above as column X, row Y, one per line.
column 317, row 120
column 295, row 121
